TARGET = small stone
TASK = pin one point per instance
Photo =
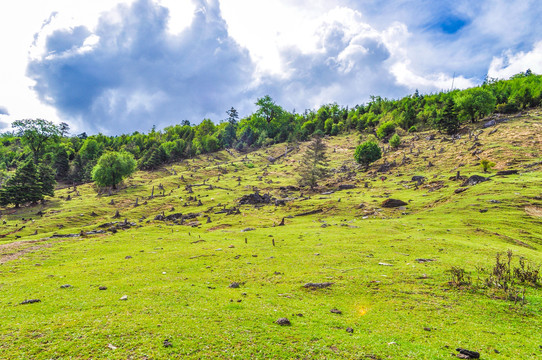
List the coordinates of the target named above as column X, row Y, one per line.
column 427, row 329
column 167, row 343
column 392, row 343
column 384, row 264
column 124, row 297
column 111, row 346
column 128, row 257
column 65, row 286
column 468, row 353
column 283, row 322
column 234, row 285
column 336, row 311
column 30, row 301
column 349, row 330
column 103, row 288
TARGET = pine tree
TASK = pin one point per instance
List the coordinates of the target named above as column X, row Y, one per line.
column 62, row 163
column 23, row 187
column 313, row 165
column 46, row 179
column 448, row 121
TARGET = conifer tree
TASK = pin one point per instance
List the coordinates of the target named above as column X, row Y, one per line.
column 23, row 187
column 313, row 165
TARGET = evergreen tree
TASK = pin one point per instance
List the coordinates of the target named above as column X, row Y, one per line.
column 46, row 179
column 313, row 165
column 448, row 121
column 61, row 163
column 23, row 187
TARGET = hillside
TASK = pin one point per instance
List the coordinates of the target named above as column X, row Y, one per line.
column 174, row 240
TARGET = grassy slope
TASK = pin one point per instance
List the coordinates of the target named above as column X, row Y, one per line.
column 177, row 279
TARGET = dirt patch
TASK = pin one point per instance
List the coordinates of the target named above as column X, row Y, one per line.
column 219, row 227
column 10, row 252
column 533, row 211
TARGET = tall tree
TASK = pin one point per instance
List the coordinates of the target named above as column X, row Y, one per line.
column 313, row 166
column 23, row 187
column 36, row 133
column 448, row 121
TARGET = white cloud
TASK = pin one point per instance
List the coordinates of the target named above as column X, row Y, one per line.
column 509, row 64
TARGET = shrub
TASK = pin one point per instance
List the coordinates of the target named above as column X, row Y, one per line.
column 385, row 129
column 395, row 141
column 367, row 153
column 486, row 164
column 412, row 129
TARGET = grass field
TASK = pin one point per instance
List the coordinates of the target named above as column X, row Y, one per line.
column 389, row 268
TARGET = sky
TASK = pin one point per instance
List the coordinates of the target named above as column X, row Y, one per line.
column 119, row 66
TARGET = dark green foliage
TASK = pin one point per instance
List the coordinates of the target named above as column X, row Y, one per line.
column 23, row 187
column 448, row 121
column 61, row 163
column 112, row 168
column 367, row 153
column 46, row 179
column 313, row 166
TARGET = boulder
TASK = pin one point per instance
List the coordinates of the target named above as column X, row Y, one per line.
column 474, row 179
column 392, row 203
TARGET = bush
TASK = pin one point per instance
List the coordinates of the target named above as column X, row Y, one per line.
column 367, row 153
column 395, row 141
column 385, row 129
column 486, row 164
column 413, row 129
column 335, row 129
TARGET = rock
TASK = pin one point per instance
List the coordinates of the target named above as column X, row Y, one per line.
column 418, row 178
column 103, row 288
column 283, row 322
column 248, row 229
column 384, row 264
column 427, row 328
column 65, row 286
column 391, row 203
column 490, row 123
column 483, row 210
column 256, row 198
column 460, row 190
column 336, row 311
column 507, row 172
column 124, row 297
column 430, row 137
column 167, row 343
column 349, row 330
column 111, row 346
column 424, row 260
column 234, row 285
column 317, row 285
column 474, row 179
column 127, row 257
column 346, row 186
column 468, row 353
column 30, row 301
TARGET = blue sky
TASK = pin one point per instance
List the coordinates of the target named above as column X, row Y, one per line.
column 117, row 66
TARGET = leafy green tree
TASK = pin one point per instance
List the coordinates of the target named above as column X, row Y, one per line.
column 385, row 129
column 313, row 166
column 112, row 168
column 367, row 153
column 448, row 121
column 475, row 103
column 23, row 187
column 36, row 133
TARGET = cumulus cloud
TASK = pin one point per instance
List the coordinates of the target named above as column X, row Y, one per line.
column 4, row 110
column 502, row 67
column 132, row 72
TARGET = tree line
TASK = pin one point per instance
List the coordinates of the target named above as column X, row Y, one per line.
column 56, row 155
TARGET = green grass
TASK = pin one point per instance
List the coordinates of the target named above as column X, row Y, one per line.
column 177, row 279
